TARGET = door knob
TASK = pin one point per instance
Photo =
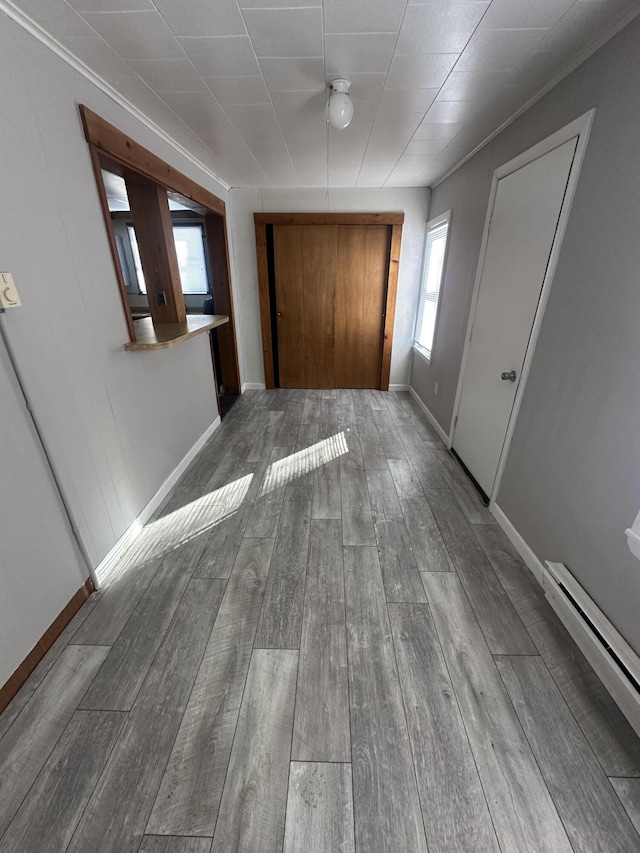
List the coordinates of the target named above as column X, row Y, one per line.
column 511, row 376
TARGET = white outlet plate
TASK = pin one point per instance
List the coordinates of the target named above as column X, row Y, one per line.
column 9, row 297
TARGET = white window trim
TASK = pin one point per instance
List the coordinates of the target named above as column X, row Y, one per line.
column 424, row 354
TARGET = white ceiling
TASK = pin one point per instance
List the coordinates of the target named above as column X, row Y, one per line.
column 430, row 80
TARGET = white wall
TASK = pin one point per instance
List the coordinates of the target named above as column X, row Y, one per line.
column 116, row 423
column 243, row 203
column 40, row 569
column 571, row 484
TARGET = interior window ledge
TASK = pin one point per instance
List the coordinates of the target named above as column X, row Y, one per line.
column 164, row 335
column 423, row 355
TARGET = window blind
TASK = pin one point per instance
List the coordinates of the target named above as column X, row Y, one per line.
column 430, row 288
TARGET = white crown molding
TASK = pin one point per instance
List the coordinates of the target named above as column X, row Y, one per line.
column 34, row 29
column 606, row 35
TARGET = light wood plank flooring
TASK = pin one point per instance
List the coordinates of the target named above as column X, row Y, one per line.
column 321, row 643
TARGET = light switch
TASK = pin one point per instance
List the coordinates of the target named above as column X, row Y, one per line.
column 8, row 293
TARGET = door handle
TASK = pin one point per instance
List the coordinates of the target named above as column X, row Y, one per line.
column 511, row 376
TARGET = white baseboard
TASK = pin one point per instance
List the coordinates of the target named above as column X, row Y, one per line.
column 597, row 638
column 252, row 386
column 434, row 423
column 398, row 387
column 534, row 565
column 623, row 693
column 106, row 566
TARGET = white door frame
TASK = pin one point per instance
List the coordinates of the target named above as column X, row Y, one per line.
column 580, row 127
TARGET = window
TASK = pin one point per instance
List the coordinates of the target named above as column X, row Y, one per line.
column 434, row 259
column 191, row 259
column 136, row 259
column 190, row 251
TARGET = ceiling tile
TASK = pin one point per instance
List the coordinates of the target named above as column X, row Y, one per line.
column 472, row 86
column 363, row 112
column 425, row 148
column 57, row 18
column 386, row 146
column 408, row 100
column 238, row 90
column 222, row 57
column 364, row 87
column 346, row 55
column 277, row 4
column 392, row 122
column 451, row 112
column 198, row 109
column 256, row 122
column 314, row 122
column 363, row 16
column 374, row 173
column 483, row 60
column 413, row 164
column 402, row 177
column 309, row 160
column 285, row 32
column 522, row 14
column 201, row 17
column 430, row 130
column 110, row 5
column 581, row 25
column 299, row 104
column 273, row 159
column 423, row 71
column 439, row 27
column 169, row 75
column 303, row 110
column 343, row 177
column 305, row 144
column 97, row 54
column 498, row 50
column 352, row 138
column 136, row 35
column 293, row 75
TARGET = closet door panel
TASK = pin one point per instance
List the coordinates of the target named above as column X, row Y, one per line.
column 360, row 298
column 305, row 261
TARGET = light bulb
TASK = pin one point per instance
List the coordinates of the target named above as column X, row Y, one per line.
column 340, row 110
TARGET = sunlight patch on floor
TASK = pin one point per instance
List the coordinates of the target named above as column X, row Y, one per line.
column 303, row 461
column 170, row 531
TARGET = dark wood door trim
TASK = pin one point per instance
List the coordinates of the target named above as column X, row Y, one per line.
column 128, row 152
column 262, row 220
column 328, row 218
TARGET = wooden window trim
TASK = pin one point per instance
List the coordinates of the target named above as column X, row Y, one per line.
column 393, row 220
column 120, row 147
column 106, row 140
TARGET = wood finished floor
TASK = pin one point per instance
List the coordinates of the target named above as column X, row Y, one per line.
column 321, row 643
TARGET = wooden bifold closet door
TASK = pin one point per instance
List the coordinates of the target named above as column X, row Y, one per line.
column 330, row 296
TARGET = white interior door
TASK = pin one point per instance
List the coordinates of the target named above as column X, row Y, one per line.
column 526, row 210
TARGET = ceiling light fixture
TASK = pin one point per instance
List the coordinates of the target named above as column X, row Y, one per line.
column 340, row 109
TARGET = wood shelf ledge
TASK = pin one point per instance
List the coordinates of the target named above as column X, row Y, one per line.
column 166, row 335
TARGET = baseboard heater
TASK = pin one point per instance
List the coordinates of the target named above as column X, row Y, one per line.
column 612, row 658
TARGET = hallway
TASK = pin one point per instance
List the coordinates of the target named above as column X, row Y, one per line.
column 323, row 642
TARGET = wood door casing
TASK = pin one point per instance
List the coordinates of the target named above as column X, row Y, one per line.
column 360, row 299
column 305, row 263
column 266, row 226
